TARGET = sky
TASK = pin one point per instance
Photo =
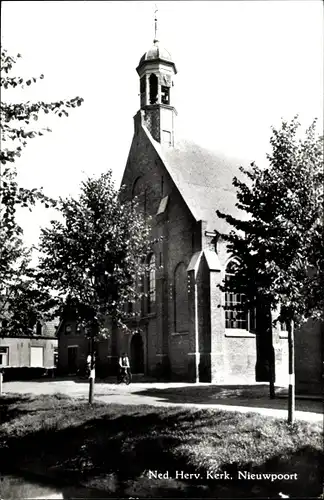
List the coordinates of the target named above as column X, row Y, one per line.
column 242, row 66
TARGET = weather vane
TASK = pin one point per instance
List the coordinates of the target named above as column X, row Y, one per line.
column 155, row 24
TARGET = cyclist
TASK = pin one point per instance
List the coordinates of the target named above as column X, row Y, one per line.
column 124, row 367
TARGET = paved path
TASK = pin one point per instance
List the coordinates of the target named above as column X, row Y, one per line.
column 245, row 399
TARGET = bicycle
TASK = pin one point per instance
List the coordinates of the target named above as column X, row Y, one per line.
column 124, row 377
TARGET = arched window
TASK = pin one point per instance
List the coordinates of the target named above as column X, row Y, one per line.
column 39, row 329
column 151, row 283
column 236, row 315
column 137, row 187
column 153, row 88
column 140, row 193
column 180, row 298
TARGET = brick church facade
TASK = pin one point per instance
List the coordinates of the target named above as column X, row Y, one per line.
column 183, row 327
column 186, row 327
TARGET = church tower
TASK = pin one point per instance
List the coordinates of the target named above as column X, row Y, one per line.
column 156, row 71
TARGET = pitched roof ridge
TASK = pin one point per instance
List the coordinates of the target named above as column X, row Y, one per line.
column 204, row 179
column 158, row 148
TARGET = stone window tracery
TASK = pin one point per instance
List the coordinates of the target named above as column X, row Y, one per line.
column 236, row 315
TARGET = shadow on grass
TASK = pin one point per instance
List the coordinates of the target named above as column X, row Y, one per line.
column 114, row 452
column 13, row 406
column 8, row 410
column 114, row 447
column 229, row 395
column 26, row 485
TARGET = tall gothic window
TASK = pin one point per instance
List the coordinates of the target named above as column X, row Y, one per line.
column 137, row 187
column 140, row 193
column 151, row 283
column 236, row 316
column 180, row 298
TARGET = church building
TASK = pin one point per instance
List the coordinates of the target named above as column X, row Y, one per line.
column 187, row 327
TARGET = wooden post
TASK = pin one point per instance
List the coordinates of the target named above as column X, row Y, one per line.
column 291, row 362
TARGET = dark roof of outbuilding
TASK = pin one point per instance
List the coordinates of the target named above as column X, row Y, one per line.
column 204, row 179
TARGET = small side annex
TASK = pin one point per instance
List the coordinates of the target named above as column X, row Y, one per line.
column 32, row 351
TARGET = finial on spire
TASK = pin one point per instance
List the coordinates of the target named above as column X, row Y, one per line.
column 155, row 25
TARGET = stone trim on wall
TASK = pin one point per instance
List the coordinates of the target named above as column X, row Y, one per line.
column 237, row 333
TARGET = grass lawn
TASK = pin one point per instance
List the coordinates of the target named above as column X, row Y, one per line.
column 114, row 448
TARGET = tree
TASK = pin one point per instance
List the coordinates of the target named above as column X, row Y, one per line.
column 16, row 287
column 280, row 247
column 93, row 257
column 22, row 303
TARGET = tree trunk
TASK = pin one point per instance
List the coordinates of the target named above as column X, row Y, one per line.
column 264, row 325
column 272, row 392
column 291, row 363
column 92, row 371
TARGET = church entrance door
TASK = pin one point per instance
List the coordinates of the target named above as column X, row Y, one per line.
column 137, row 354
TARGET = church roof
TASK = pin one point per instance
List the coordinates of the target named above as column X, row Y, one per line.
column 156, row 53
column 204, row 179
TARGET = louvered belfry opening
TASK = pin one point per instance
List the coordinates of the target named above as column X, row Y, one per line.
column 153, row 89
